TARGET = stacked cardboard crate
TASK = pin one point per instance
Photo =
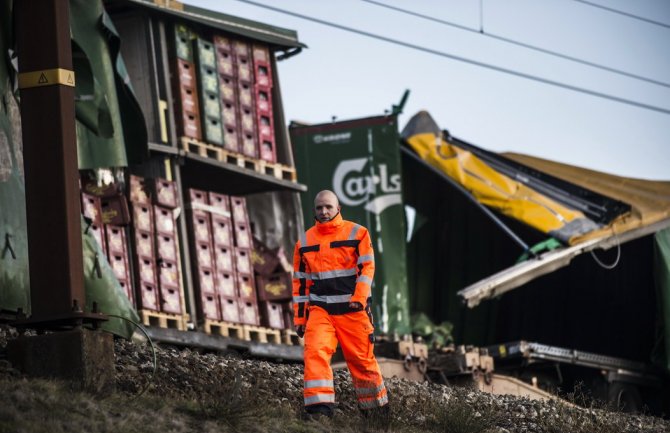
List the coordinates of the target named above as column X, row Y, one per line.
column 186, row 106
column 106, row 208
column 246, row 290
column 228, row 94
column 263, row 103
column 156, row 252
column 208, row 82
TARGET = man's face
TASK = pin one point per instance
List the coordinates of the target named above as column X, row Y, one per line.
column 325, row 207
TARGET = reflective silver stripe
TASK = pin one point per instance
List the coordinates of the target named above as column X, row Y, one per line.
column 336, row 299
column 364, row 279
column 303, row 239
column 305, row 275
column 354, row 231
column 374, row 403
column 365, row 258
column 369, row 392
column 320, row 398
column 321, row 383
column 300, row 299
column 334, row 274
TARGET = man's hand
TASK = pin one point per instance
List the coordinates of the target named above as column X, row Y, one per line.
column 300, row 330
column 356, row 306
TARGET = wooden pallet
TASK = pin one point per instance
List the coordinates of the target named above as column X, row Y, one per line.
column 164, row 320
column 280, row 171
column 224, row 329
column 290, row 338
column 218, row 153
column 262, row 335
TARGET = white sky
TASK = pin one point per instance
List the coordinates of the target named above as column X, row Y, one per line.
column 350, row 76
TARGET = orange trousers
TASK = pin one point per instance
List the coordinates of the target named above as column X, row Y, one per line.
column 352, row 330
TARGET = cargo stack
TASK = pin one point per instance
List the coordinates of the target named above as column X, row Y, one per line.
column 225, row 275
column 246, row 290
column 165, row 201
column 245, row 85
column 274, row 290
column 144, row 258
column 208, row 83
column 107, row 210
column 186, row 107
column 263, row 103
column 228, row 94
column 200, row 225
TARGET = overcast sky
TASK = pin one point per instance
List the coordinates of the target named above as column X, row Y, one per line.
column 349, row 76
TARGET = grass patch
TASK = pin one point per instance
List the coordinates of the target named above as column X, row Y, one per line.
column 459, row 416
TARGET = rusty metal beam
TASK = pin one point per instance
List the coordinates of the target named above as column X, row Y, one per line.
column 50, row 159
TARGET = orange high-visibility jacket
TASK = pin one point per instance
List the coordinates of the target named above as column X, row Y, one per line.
column 333, row 265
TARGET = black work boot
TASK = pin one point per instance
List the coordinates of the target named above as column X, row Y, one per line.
column 316, row 411
column 378, row 418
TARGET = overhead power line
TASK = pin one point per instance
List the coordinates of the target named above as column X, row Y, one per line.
column 460, row 59
column 520, row 44
column 626, row 14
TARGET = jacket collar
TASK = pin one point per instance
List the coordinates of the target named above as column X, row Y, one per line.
column 331, row 226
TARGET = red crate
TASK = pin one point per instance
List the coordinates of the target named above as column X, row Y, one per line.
column 220, row 202
column 206, row 281
column 98, row 233
column 146, row 270
column 271, row 315
column 262, row 73
column 164, row 219
column 166, row 246
column 165, row 193
column 90, row 207
column 238, row 207
column 202, row 226
column 249, row 312
column 248, row 119
column 139, row 190
column 230, row 311
column 225, row 63
column 287, row 311
column 204, row 257
column 144, row 243
column 190, row 125
column 116, row 239
column 222, row 231
column 242, row 235
column 232, row 138
column 168, row 272
column 115, row 210
column 260, row 53
column 241, row 48
column 171, row 300
column 209, row 304
column 243, row 260
column 189, row 100
column 263, row 101
column 224, row 258
column 119, row 264
column 245, row 94
column 244, row 69
column 223, row 43
column 197, row 196
column 127, row 288
column 143, row 217
column 226, row 284
column 266, row 129
column 228, row 89
column 229, row 114
column 90, row 186
column 148, row 297
column 186, row 74
column 245, row 286
column 275, row 287
column 249, row 144
column 268, row 151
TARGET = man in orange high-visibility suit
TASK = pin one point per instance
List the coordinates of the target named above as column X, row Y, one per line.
column 333, row 270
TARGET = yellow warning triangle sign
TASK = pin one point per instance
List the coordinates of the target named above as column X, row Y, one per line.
column 70, row 80
column 43, row 79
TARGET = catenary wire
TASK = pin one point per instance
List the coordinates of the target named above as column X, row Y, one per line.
column 460, row 59
column 626, row 14
column 520, row 44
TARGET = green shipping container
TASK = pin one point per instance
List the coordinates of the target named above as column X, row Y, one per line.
column 359, row 160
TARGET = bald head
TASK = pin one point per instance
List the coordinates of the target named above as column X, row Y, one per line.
column 326, row 206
